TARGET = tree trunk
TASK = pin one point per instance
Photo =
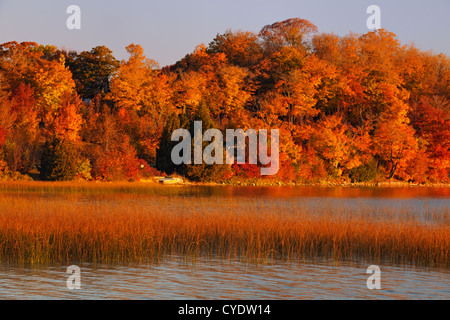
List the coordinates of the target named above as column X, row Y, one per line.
column 392, row 171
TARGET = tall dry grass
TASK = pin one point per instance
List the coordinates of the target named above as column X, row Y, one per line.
column 117, row 228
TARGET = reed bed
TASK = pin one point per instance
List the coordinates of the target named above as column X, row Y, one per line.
column 130, row 228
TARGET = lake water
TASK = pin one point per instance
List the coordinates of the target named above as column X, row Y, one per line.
column 225, row 280
column 209, row 278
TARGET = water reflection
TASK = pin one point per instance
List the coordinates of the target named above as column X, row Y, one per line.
column 324, row 192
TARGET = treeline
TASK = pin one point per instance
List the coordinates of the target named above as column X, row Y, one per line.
column 354, row 108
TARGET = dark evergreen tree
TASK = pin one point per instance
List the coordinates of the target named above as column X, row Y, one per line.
column 58, row 160
column 164, row 161
column 92, row 70
column 201, row 172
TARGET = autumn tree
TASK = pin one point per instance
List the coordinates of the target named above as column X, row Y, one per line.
column 433, row 125
column 18, row 62
column 50, row 79
column 327, row 46
column 120, row 162
column 339, row 144
column 431, row 77
column 142, row 96
column 132, row 86
column 394, row 141
column 189, row 89
column 107, row 147
column 381, row 80
column 293, row 32
column 206, row 75
column 101, row 125
column 21, row 129
column 67, row 119
column 242, row 48
column 296, row 94
column 229, row 92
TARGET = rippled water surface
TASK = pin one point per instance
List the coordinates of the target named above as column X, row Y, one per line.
column 209, row 279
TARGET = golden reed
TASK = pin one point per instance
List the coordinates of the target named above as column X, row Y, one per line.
column 116, row 228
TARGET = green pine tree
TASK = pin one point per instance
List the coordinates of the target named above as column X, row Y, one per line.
column 201, row 172
column 58, row 160
column 163, row 154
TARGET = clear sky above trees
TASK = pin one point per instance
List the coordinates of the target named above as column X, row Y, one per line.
column 170, row 28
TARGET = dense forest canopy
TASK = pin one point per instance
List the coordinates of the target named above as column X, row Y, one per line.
column 353, row 108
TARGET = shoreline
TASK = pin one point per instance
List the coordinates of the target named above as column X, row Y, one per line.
column 325, row 184
column 154, row 181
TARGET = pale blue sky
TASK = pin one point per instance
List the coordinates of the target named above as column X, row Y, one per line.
column 169, row 29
